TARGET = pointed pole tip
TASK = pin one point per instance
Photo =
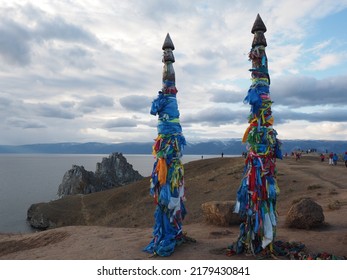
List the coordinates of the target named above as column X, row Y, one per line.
column 168, row 44
column 258, row 25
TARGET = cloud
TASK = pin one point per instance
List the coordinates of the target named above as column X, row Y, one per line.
column 320, row 46
column 21, row 32
column 327, row 115
column 24, row 123
column 75, row 57
column 68, row 104
column 295, row 91
column 95, row 102
column 55, row 111
column 293, row 19
column 14, row 43
column 301, row 91
column 227, row 96
column 77, row 66
column 326, row 61
column 136, row 103
column 57, row 28
column 5, row 102
column 215, row 117
column 120, row 122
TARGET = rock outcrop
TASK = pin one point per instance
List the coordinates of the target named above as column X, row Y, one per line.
column 220, row 213
column 77, row 180
column 113, row 171
column 305, row 214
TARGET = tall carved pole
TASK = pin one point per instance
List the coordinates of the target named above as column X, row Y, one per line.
column 256, row 197
column 167, row 181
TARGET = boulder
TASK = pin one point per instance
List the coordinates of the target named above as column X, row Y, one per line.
column 112, row 172
column 220, row 213
column 305, row 214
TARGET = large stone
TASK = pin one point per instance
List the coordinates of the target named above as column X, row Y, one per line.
column 112, row 172
column 220, row 213
column 305, row 214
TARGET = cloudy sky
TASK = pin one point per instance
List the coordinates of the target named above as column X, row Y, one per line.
column 88, row 70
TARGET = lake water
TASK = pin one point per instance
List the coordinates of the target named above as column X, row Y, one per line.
column 26, row 179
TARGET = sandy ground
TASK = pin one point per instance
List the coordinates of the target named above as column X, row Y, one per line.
column 307, row 177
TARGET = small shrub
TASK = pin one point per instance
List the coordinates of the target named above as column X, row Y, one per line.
column 333, row 191
column 314, row 187
column 335, row 205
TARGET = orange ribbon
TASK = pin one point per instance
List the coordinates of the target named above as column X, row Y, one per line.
column 161, row 169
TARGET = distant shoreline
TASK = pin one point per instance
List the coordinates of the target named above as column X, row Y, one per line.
column 210, row 147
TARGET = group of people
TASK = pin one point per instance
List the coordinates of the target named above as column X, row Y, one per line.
column 297, row 155
column 333, row 158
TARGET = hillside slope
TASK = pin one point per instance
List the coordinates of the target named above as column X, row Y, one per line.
column 119, row 222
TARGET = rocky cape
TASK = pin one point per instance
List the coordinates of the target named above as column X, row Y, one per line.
column 112, row 172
